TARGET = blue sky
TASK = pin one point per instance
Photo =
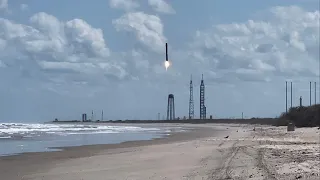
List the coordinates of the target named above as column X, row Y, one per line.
column 63, row 58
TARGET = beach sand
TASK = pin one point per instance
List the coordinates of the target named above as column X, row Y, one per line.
column 210, row 151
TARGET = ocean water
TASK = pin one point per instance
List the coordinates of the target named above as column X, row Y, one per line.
column 17, row 138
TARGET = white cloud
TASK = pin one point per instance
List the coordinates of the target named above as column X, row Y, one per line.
column 147, row 28
column 287, row 44
column 3, row 5
column 68, row 63
column 24, row 7
column 161, row 6
column 124, row 4
column 48, row 47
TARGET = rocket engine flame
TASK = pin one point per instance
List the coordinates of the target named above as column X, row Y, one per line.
column 167, row 64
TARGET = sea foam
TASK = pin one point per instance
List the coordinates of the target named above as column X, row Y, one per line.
column 15, row 130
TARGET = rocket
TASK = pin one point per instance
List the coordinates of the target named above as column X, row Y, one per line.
column 167, row 63
column 167, row 52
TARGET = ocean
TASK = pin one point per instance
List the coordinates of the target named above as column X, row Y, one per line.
column 16, row 138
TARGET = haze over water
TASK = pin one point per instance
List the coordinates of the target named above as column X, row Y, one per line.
column 18, row 137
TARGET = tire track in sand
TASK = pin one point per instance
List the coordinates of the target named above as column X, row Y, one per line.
column 263, row 165
column 224, row 172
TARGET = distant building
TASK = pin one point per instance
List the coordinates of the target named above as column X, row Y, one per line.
column 290, row 126
column 84, row 117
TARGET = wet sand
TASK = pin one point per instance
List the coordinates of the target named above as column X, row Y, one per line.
column 210, row 151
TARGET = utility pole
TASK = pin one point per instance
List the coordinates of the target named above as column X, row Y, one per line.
column 291, row 96
column 286, row 97
column 310, row 93
column 315, row 93
column 319, row 94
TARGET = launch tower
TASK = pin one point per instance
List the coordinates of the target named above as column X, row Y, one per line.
column 170, row 109
column 191, row 103
column 202, row 95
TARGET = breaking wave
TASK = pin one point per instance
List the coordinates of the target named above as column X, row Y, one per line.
column 20, row 130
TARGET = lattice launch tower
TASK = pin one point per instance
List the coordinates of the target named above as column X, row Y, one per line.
column 202, row 99
column 191, row 103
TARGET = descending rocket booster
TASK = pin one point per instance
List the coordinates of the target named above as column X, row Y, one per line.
column 167, row 52
column 167, row 63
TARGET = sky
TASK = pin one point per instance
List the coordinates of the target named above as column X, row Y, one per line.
column 62, row 58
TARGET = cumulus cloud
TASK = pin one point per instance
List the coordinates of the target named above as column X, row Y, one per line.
column 49, row 47
column 161, row 6
column 283, row 43
column 286, row 44
column 147, row 28
column 124, row 4
column 70, row 61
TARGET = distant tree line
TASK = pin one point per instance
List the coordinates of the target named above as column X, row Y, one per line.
column 301, row 116
column 263, row 121
column 304, row 116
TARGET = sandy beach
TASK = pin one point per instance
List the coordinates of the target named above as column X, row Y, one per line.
column 210, row 151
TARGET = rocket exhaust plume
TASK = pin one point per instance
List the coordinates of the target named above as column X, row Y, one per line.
column 167, row 63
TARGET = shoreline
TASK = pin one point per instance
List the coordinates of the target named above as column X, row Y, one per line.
column 44, row 160
column 174, row 128
column 206, row 152
column 164, row 138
